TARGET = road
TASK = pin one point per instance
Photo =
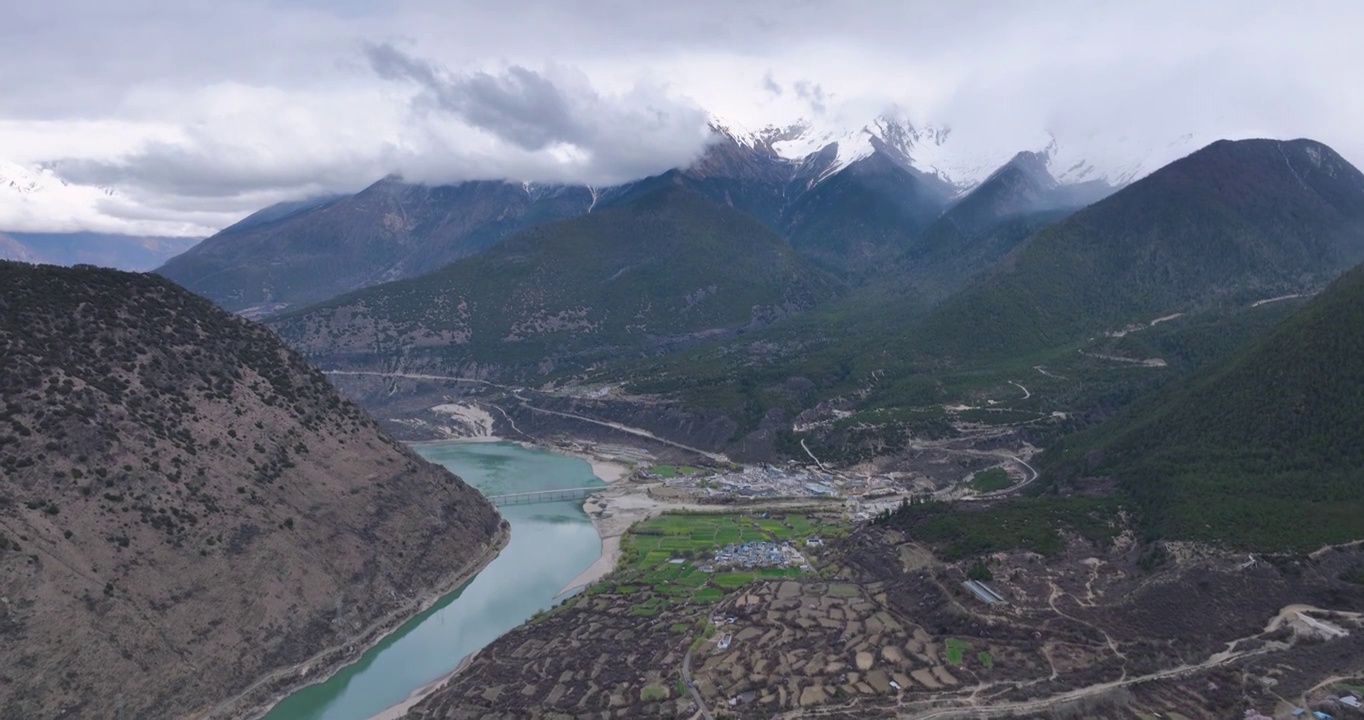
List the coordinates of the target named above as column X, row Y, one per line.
column 516, row 393
column 812, row 455
column 1048, row 373
column 1267, row 301
column 695, row 696
column 1012, row 489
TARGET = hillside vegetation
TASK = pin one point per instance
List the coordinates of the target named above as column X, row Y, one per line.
column 1207, row 235
column 1233, row 222
column 300, row 253
column 666, row 268
column 186, row 506
column 1266, row 451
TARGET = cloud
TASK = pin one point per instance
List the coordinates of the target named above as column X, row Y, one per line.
column 770, row 84
column 812, row 93
column 582, row 133
column 198, row 111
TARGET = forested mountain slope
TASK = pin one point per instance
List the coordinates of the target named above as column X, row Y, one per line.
column 664, row 268
column 1233, row 222
column 186, row 506
column 1265, row 451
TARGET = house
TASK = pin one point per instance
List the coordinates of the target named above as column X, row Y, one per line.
column 1350, row 701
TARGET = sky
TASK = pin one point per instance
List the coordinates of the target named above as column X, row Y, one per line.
column 178, row 117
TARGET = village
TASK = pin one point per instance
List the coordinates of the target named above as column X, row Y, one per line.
column 760, row 554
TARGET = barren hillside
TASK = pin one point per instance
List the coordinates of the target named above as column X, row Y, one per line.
column 186, row 506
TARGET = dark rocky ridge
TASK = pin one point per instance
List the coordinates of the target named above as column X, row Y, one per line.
column 187, row 507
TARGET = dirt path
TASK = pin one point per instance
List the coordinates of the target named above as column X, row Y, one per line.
column 1267, row 301
column 812, row 455
column 416, row 376
column 1048, row 373
column 691, row 687
column 1026, row 394
column 1029, row 706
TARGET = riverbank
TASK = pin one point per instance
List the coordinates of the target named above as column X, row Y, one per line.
column 399, row 711
column 606, row 468
column 614, row 473
column 260, row 697
column 609, row 516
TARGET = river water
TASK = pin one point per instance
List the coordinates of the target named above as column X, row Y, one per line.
column 550, row 544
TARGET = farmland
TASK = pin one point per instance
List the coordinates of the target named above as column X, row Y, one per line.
column 671, row 471
column 880, row 627
column 668, row 556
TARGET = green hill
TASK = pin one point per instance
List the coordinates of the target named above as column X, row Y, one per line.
column 663, row 269
column 1209, row 234
column 1266, row 451
column 1233, row 222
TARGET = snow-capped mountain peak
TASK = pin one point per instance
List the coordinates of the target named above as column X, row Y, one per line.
column 931, row 149
column 959, row 160
column 34, row 198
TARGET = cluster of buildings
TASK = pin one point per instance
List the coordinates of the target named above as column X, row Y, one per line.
column 759, row 554
column 759, row 482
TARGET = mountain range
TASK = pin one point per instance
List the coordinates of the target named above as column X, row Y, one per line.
column 121, row 252
column 662, row 268
column 848, row 200
column 1233, row 222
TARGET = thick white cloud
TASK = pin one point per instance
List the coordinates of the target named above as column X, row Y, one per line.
column 196, row 112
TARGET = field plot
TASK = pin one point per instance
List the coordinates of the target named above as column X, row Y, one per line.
column 671, row 471
column 673, row 556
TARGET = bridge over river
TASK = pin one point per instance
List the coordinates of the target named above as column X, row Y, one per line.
column 545, row 496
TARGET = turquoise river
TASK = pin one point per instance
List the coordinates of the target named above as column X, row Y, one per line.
column 550, row 544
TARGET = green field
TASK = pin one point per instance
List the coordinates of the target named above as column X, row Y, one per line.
column 985, row 659
column 991, row 480
column 956, row 650
column 661, row 557
column 668, row 471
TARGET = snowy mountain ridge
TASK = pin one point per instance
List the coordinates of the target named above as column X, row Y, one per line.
column 961, row 162
column 38, row 199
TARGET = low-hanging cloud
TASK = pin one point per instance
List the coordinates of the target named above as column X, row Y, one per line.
column 197, row 112
column 580, row 133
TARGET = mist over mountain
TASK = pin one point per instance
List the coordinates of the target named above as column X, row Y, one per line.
column 121, row 252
